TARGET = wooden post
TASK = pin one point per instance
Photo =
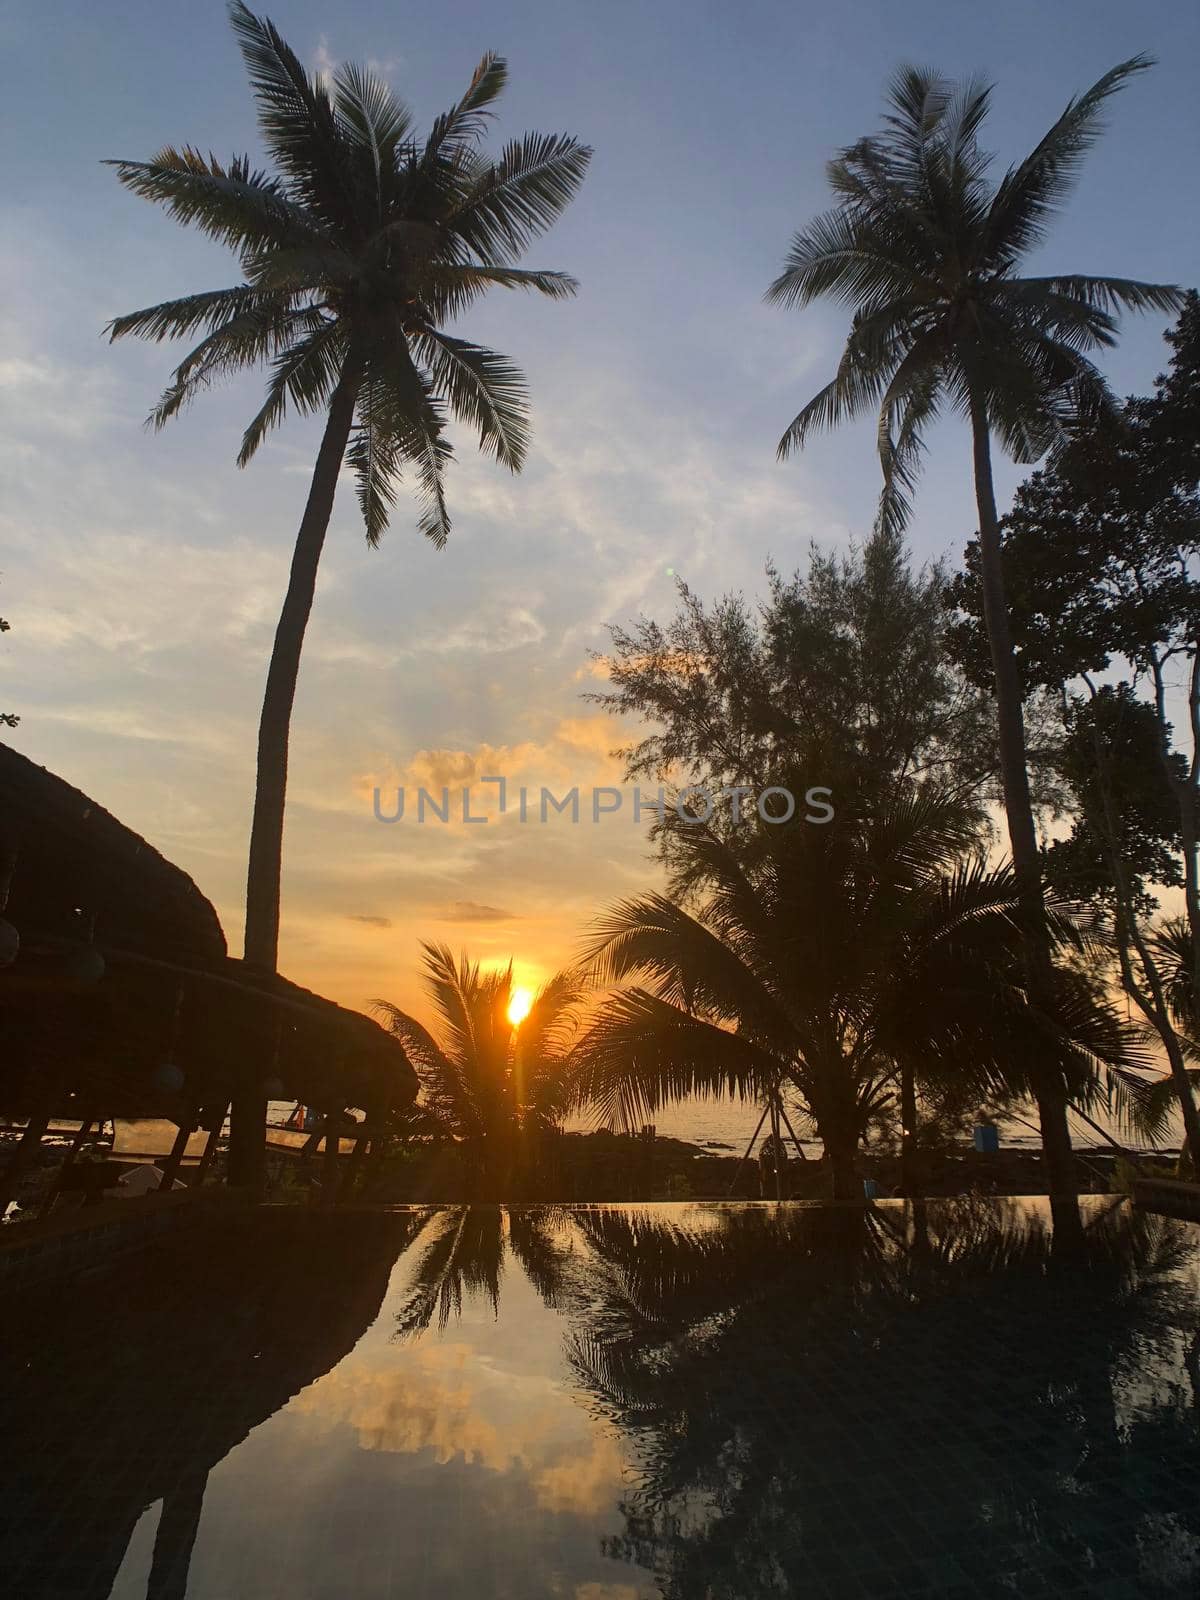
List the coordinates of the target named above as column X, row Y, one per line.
column 776, row 1149
column 210, row 1148
column 649, row 1133
column 8, row 865
column 356, row 1158
column 378, row 1149
column 52, row 1194
column 792, row 1131
column 741, row 1164
column 172, row 1163
column 329, row 1168
column 248, row 1140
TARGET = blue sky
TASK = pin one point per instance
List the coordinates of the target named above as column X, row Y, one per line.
column 142, row 574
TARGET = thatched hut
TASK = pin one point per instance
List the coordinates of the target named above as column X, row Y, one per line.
column 122, row 999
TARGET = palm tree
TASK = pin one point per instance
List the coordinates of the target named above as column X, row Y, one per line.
column 354, row 254
column 490, row 1081
column 927, row 251
column 839, row 957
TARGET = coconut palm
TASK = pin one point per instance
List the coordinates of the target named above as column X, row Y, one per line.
column 928, row 253
column 355, row 253
column 488, row 1080
column 820, row 970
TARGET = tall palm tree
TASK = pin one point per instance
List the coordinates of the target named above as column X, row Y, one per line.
column 355, row 253
column 489, row 1080
column 927, row 251
column 842, row 955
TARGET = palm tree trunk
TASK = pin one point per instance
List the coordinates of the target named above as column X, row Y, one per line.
column 908, row 1131
column 1018, row 805
column 842, row 1150
column 178, row 1522
column 248, row 1110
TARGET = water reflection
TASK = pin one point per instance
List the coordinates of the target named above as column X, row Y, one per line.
column 939, row 1399
column 123, row 1395
column 615, row 1403
column 931, row 1404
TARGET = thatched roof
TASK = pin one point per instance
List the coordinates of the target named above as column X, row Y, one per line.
column 73, row 864
column 170, row 999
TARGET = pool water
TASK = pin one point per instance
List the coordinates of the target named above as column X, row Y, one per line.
column 609, row 1403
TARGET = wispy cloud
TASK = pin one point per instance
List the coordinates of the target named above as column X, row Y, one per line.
column 472, row 911
column 325, row 63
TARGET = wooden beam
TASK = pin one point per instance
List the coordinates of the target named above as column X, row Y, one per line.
column 53, row 1192
column 329, row 1165
column 172, row 1163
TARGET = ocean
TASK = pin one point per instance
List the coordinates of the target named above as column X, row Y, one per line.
column 726, row 1125
column 730, row 1123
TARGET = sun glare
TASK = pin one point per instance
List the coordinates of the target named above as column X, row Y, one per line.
column 520, row 1004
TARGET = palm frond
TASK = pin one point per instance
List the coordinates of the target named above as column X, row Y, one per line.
column 642, row 1053
column 312, row 269
column 1171, row 946
column 1103, row 295
column 374, row 124
column 450, row 288
column 405, row 408
column 913, row 396
column 211, row 309
column 296, row 117
column 1031, row 193
column 233, row 205
column 689, row 964
column 374, row 459
column 482, row 388
column 520, row 196
column 457, row 131
column 429, row 1061
column 856, row 388
column 304, row 375
column 851, row 258
column 243, row 341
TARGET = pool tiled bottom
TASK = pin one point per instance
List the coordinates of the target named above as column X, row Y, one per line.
column 610, row 1403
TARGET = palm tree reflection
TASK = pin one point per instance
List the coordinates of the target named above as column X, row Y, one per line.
column 930, row 1394
column 953, row 1400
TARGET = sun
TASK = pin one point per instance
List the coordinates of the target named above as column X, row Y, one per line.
column 520, row 1004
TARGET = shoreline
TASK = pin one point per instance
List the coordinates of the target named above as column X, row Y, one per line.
column 577, row 1167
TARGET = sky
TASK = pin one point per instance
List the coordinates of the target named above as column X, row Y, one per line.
column 142, row 573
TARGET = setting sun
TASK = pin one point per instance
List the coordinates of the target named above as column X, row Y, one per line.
column 520, row 1003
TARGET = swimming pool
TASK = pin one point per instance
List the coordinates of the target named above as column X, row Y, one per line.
column 610, row 1403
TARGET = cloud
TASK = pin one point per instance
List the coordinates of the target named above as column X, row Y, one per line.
column 607, row 1591
column 324, row 63
column 495, row 628
column 369, row 921
column 472, row 911
column 453, row 1402
column 582, row 1484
